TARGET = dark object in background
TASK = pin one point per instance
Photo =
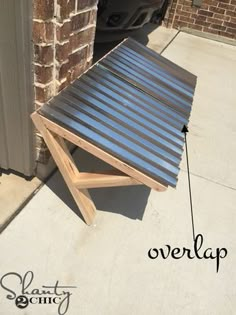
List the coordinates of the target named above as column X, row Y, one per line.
column 123, row 16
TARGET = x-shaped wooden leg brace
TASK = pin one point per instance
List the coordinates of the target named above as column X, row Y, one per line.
column 79, row 182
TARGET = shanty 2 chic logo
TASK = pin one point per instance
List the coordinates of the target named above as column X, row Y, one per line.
column 23, row 293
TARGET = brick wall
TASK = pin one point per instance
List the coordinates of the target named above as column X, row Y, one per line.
column 63, row 37
column 215, row 17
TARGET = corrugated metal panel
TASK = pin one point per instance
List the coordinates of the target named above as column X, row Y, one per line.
column 132, row 104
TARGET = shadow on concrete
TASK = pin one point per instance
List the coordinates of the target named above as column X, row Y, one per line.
column 129, row 201
column 107, row 41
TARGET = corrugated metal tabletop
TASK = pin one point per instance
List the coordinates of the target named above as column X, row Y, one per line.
column 132, row 104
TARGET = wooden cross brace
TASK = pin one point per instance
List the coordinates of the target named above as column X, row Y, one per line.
column 77, row 182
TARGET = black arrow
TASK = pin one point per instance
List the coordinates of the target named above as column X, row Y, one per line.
column 185, row 130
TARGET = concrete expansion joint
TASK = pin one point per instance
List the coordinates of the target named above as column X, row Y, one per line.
column 210, row 180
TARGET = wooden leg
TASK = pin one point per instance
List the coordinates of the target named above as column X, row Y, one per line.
column 68, row 169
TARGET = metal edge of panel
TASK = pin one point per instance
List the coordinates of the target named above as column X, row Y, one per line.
column 131, row 42
column 157, row 105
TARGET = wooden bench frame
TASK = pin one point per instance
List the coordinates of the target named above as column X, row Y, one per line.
column 77, row 182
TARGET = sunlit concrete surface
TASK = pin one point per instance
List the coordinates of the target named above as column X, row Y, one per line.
column 108, row 261
column 212, row 137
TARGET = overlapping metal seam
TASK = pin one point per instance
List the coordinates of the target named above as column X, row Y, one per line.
column 158, row 77
column 117, row 94
column 156, row 125
column 146, row 86
column 154, row 67
column 125, row 131
column 154, row 81
column 132, row 120
column 183, row 74
column 108, row 128
column 103, row 75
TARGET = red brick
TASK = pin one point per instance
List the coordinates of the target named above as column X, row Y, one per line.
column 204, row 6
column 179, row 7
column 63, row 31
column 186, row 19
column 79, row 56
column 42, row 32
column 213, row 20
column 43, row 54
column 222, row 17
column 189, row 9
column 66, row 7
column 209, row 30
column 231, row 13
column 43, row 9
column 79, row 21
column 82, row 38
column 43, row 74
column 229, row 24
column 231, row 30
column 212, row 2
column 194, row 15
column 206, row 13
column 218, row 27
column 93, row 16
column 76, row 71
column 83, row 4
column 202, row 23
column 179, row 24
column 228, row 34
column 44, row 93
column 183, row 13
column 63, row 70
column 216, row 10
column 233, row 20
column 201, row 18
column 226, row 6
column 197, row 27
column 63, row 51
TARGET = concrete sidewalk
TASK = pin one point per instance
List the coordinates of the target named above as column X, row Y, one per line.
column 108, row 261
